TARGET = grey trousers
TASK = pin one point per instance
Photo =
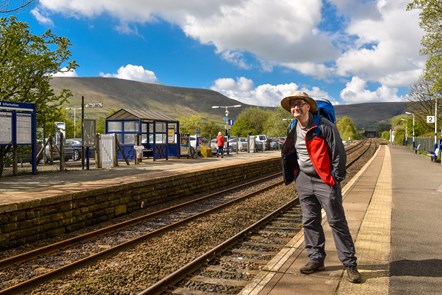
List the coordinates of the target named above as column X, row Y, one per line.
column 313, row 194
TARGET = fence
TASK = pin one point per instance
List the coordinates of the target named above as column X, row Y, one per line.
column 424, row 143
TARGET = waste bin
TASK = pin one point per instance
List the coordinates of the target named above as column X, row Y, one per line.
column 139, row 152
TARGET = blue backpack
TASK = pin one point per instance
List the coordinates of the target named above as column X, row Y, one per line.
column 325, row 109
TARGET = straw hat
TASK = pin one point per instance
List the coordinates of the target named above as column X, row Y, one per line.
column 285, row 102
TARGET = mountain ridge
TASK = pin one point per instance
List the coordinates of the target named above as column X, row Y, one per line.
column 176, row 101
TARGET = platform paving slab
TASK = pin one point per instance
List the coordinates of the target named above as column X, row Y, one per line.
column 281, row 276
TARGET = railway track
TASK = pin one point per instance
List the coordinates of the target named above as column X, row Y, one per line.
column 63, row 257
column 229, row 267
column 235, row 262
column 13, row 282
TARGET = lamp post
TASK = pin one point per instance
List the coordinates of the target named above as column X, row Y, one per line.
column 408, row 113
column 226, row 118
column 406, row 132
column 435, row 124
column 75, row 116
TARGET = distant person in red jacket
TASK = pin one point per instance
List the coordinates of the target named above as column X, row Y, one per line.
column 220, row 144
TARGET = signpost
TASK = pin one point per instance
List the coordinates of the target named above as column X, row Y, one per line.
column 226, row 118
column 83, row 127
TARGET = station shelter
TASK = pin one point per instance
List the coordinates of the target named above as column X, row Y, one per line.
column 157, row 133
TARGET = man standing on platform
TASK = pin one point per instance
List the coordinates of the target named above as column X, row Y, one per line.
column 316, row 159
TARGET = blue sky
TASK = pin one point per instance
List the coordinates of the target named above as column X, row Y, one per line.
column 254, row 51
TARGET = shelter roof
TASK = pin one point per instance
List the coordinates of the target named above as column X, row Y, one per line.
column 126, row 113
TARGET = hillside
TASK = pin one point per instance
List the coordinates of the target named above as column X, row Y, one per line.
column 180, row 101
column 172, row 101
column 370, row 115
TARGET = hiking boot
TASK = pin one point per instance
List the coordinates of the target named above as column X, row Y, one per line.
column 353, row 274
column 311, row 267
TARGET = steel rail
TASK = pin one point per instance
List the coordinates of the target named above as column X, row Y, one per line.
column 105, row 253
column 93, row 234
column 25, row 285
column 194, row 265
column 175, row 277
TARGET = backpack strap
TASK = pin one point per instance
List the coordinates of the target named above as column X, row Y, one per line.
column 292, row 124
column 317, row 120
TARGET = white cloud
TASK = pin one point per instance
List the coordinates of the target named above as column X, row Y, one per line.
column 282, row 32
column 236, row 58
column 135, row 73
column 356, row 91
column 65, row 73
column 243, row 90
column 386, row 46
column 42, row 19
column 379, row 40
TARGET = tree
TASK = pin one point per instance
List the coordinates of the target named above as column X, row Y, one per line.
column 7, row 7
column 277, row 122
column 423, row 104
column 251, row 120
column 431, row 22
column 188, row 125
column 27, row 63
column 346, row 128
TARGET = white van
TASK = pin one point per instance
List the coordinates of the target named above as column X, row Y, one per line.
column 264, row 140
column 193, row 143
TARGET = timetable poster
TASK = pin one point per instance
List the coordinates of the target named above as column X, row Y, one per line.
column 6, row 128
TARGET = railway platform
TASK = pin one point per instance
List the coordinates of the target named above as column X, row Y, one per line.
column 37, row 207
column 50, row 183
column 394, row 208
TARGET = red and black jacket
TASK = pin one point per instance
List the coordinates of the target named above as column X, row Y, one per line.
column 326, row 151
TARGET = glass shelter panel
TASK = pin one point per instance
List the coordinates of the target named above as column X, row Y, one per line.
column 114, row 126
column 129, row 138
column 160, row 127
column 130, row 126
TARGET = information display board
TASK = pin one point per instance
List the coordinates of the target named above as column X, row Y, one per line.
column 24, row 128
column 6, row 130
column 18, row 126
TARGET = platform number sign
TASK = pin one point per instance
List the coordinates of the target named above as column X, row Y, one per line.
column 430, row 119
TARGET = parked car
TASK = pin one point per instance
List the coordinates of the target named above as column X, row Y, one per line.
column 68, row 152
column 197, row 147
column 24, row 155
column 275, row 144
column 259, row 146
column 233, row 144
column 75, row 144
column 243, row 143
column 264, row 140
